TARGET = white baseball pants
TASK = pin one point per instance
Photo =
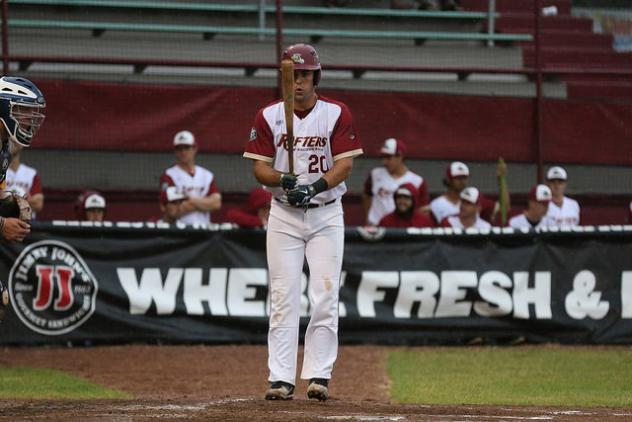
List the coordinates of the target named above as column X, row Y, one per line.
column 293, row 235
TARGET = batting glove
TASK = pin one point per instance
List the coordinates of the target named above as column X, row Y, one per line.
column 301, row 195
column 288, row 181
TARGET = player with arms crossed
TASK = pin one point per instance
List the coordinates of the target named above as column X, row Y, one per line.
column 306, row 220
column 21, row 114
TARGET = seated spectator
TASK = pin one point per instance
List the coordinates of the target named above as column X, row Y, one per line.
column 406, row 212
column 563, row 211
column 256, row 213
column 174, row 197
column 383, row 181
column 469, row 212
column 25, row 181
column 90, row 206
column 535, row 214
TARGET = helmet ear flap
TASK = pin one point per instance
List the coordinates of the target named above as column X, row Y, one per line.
column 316, row 77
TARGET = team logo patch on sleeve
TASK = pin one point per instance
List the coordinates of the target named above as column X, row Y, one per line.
column 253, row 134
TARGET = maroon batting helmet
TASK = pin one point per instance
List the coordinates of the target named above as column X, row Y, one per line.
column 305, row 57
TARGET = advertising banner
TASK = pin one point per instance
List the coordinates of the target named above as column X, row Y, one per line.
column 124, row 282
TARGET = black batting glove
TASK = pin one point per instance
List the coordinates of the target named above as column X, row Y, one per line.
column 301, row 195
column 288, row 181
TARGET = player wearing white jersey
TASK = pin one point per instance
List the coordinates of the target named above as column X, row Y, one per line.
column 563, row 211
column 535, row 214
column 306, row 221
column 469, row 210
column 196, row 182
column 25, row 181
column 382, row 183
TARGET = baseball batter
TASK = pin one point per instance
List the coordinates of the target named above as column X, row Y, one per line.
column 306, row 221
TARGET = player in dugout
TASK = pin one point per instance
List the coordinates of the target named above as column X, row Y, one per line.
column 406, row 212
column 255, row 214
column 455, row 180
column 538, row 205
column 383, row 181
column 563, row 211
column 469, row 212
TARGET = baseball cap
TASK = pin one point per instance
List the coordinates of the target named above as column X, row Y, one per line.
column 403, row 191
column 540, row 193
column 94, row 201
column 471, row 195
column 174, row 194
column 393, row 146
column 183, row 137
column 556, row 173
column 457, row 169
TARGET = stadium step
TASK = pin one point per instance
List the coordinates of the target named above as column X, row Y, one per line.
column 509, row 21
column 599, row 89
column 523, row 6
column 570, row 39
column 579, row 57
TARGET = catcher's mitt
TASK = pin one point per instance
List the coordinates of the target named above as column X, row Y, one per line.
column 16, row 206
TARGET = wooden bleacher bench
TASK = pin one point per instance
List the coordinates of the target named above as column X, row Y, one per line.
column 315, row 34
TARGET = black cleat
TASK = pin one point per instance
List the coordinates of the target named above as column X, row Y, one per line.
column 280, row 390
column 317, row 389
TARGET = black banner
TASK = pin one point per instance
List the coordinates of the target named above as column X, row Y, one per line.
column 127, row 282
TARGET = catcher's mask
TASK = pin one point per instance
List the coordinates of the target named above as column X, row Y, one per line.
column 21, row 108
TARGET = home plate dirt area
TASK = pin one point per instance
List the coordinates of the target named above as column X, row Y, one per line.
column 228, row 383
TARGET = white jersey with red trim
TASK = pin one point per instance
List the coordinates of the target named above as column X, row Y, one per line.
column 198, row 184
column 324, row 135
column 24, row 181
column 381, row 186
column 455, row 222
column 566, row 215
column 520, row 221
column 441, row 208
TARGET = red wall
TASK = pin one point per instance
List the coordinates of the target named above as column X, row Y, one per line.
column 137, row 117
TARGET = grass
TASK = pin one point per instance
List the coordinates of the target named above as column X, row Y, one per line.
column 512, row 376
column 35, row 383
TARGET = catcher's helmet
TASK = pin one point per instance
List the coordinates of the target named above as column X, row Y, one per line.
column 21, row 106
column 305, row 57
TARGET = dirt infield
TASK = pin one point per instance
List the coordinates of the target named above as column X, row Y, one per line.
column 228, row 383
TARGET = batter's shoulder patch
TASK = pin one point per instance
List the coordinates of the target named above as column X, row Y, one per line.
column 253, row 134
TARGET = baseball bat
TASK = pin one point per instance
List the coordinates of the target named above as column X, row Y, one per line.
column 502, row 190
column 287, row 78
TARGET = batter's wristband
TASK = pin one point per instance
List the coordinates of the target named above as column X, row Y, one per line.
column 320, row 185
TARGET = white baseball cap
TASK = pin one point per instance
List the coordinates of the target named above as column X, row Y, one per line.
column 94, row 201
column 541, row 193
column 184, row 137
column 556, row 173
column 471, row 195
column 174, row 194
column 457, row 169
column 393, row 146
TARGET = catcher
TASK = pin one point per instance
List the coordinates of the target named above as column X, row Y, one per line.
column 21, row 113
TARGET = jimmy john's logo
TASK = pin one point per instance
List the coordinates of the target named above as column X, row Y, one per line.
column 52, row 289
